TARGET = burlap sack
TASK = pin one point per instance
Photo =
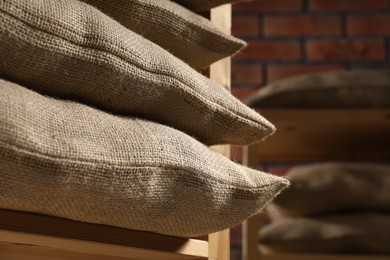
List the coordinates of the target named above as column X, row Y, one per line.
column 345, row 233
column 69, row 49
column 351, row 89
column 69, row 160
column 331, row 187
column 203, row 5
column 188, row 36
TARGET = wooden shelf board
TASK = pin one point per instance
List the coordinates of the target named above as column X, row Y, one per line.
column 327, row 134
column 37, row 235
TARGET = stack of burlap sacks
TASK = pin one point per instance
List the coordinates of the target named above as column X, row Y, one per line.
column 330, row 207
column 104, row 117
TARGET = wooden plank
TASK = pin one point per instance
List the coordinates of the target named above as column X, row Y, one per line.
column 45, row 247
column 44, row 232
column 250, row 227
column 327, row 134
column 42, row 245
column 219, row 243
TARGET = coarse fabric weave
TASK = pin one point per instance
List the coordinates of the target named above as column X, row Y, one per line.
column 325, row 188
column 66, row 159
column 203, row 5
column 187, row 35
column 358, row 233
column 345, row 89
column 69, row 49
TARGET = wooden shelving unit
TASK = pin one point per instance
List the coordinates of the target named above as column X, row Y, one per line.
column 25, row 236
column 305, row 135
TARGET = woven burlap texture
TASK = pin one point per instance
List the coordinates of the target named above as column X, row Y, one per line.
column 70, row 50
column 69, row 160
column 187, row 35
column 203, row 5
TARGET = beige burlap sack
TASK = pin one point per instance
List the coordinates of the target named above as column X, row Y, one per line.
column 69, row 160
column 359, row 233
column 188, row 36
column 351, row 89
column 68, row 49
column 203, row 5
column 332, row 187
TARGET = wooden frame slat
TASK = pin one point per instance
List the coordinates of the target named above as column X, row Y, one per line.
column 219, row 243
column 44, row 232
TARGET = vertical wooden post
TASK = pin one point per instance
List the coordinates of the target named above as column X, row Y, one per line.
column 250, row 227
column 219, row 243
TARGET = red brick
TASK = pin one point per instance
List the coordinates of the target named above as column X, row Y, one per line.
column 369, row 25
column 278, row 170
column 292, row 25
column 348, row 5
column 245, row 25
column 277, row 50
column 242, row 93
column 341, row 50
column 269, row 6
column 247, row 74
column 280, row 71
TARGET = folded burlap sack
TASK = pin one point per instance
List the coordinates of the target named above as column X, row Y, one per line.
column 187, row 35
column 332, row 187
column 70, row 50
column 351, row 89
column 345, row 233
column 65, row 159
column 203, row 5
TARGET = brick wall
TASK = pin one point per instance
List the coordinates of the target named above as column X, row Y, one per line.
column 291, row 37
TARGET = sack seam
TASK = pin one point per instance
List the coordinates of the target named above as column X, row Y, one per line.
column 73, row 160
